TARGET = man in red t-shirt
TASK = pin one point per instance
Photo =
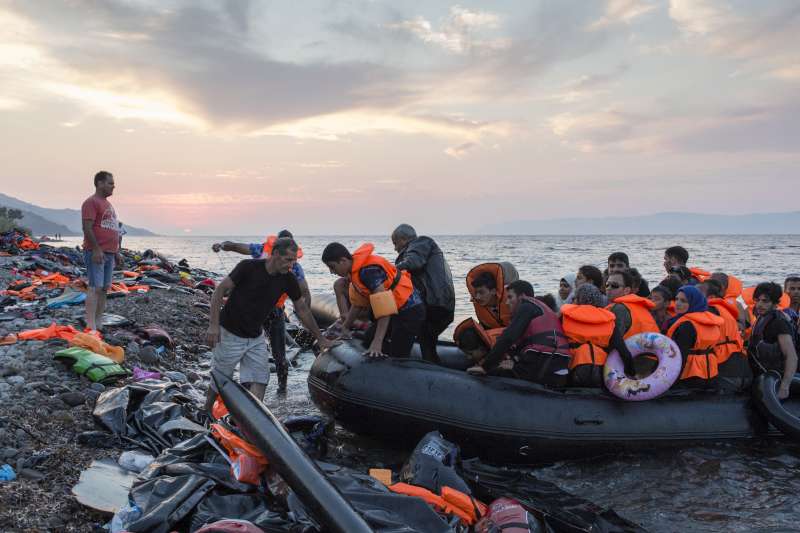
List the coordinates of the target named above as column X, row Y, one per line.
column 100, row 246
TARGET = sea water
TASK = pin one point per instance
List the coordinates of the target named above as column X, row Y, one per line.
column 751, row 486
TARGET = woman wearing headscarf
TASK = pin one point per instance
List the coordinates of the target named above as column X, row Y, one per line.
column 592, row 336
column 696, row 331
column 566, row 291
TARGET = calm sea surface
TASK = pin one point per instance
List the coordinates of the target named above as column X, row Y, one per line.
column 744, row 487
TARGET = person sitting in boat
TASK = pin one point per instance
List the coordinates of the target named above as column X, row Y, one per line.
column 534, row 340
column 791, row 286
column 549, row 300
column 731, row 290
column 385, row 290
column 275, row 324
column 677, row 256
column 618, row 261
column 697, row 332
column 590, row 274
column 771, row 345
column 591, row 335
column 566, row 289
column 431, row 275
column 633, row 312
column 734, row 371
column 662, row 297
column 486, row 284
column 682, row 275
column 640, row 285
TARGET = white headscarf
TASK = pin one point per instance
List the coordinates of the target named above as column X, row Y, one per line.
column 570, row 279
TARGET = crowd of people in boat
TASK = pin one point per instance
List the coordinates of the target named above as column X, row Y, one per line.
column 726, row 333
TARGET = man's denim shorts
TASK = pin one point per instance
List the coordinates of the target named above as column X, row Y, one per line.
column 99, row 275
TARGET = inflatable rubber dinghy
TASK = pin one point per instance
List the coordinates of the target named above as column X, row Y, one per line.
column 509, row 420
column 323, row 307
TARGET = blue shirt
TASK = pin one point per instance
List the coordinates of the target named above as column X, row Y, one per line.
column 374, row 276
column 257, row 250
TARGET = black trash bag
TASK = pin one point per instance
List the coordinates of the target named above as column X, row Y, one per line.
column 560, row 511
column 383, row 510
column 432, row 465
column 311, row 433
column 219, row 505
column 152, row 414
column 166, row 501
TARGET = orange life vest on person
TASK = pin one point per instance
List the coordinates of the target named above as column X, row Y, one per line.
column 270, row 242
column 266, row 252
column 397, row 281
column 588, row 330
column 731, row 341
column 642, row 320
column 699, row 274
column 503, row 273
column 735, row 287
column 450, row 501
column 488, row 336
column 701, row 362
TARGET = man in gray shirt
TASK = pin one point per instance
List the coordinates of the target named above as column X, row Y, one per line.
column 431, row 275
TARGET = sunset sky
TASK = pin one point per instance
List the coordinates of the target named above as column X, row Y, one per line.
column 327, row 117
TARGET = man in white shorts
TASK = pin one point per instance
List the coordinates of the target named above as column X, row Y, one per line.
column 237, row 333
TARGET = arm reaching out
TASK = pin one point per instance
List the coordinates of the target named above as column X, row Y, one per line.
column 212, row 335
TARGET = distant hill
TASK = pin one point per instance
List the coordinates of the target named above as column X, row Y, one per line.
column 70, row 219
column 657, row 224
column 41, row 226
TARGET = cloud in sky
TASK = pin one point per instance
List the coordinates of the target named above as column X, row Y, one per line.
column 275, row 107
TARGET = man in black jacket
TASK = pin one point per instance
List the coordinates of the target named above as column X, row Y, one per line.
column 430, row 273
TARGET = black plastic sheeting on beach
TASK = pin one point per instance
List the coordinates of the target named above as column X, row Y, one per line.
column 560, row 511
column 151, row 414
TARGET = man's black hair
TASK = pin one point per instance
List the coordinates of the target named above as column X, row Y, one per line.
column 666, row 292
column 678, row 252
column 769, row 289
column 548, row 300
column 484, row 279
column 683, row 272
column 593, row 274
column 285, row 233
column 103, row 175
column 619, row 256
column 521, row 288
column 334, row 252
column 469, row 340
column 284, row 245
column 721, row 278
column 794, row 278
column 713, row 288
column 627, row 278
column 672, row 285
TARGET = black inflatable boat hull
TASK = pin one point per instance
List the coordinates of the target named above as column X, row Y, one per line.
column 515, row 421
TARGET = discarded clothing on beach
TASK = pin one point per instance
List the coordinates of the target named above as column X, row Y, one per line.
column 97, row 368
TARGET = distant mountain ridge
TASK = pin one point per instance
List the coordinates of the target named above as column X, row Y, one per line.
column 657, row 224
column 49, row 219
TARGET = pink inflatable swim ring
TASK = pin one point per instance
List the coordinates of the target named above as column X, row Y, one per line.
column 649, row 387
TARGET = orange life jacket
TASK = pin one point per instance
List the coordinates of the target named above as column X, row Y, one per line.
column 488, row 336
column 699, row 274
column 642, row 320
column 269, row 242
column 28, row 244
column 734, row 289
column 503, row 273
column 731, row 341
column 397, row 281
column 701, row 362
column 450, row 501
column 588, row 329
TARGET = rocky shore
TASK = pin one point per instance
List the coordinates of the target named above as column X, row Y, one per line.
column 47, row 432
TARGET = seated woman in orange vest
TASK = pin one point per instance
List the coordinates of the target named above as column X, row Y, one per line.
column 697, row 332
column 534, row 340
column 389, row 293
column 772, row 344
column 591, row 334
column 734, row 370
